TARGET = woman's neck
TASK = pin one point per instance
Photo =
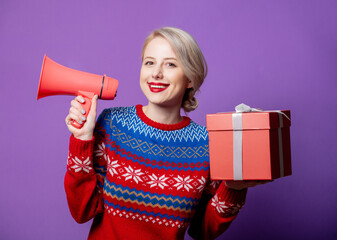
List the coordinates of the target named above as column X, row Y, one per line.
column 165, row 115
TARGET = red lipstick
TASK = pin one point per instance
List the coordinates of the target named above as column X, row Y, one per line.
column 157, row 87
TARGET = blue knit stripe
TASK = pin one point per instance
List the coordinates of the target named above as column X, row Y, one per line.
column 126, row 117
column 159, row 149
column 170, row 202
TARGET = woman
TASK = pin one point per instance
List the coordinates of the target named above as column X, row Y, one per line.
column 143, row 173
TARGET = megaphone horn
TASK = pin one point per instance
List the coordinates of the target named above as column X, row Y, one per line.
column 56, row 79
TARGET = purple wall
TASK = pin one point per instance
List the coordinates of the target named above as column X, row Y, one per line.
column 268, row 54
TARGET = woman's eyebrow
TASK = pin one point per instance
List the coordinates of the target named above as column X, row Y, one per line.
column 170, row 58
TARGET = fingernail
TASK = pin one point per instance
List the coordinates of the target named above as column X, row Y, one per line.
column 82, row 100
column 83, row 118
column 80, row 122
column 82, row 111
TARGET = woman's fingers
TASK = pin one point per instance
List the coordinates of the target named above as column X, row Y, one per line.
column 75, row 117
column 76, row 104
column 76, row 111
column 80, row 99
column 79, row 115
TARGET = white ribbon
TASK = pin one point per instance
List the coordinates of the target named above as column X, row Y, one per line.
column 237, row 146
column 237, row 138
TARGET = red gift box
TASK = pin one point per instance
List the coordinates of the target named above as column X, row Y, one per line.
column 249, row 145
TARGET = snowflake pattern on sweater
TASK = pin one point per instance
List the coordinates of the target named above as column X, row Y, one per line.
column 148, row 174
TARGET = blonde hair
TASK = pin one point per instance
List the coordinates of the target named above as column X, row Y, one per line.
column 191, row 58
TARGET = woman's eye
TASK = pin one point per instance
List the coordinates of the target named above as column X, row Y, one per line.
column 171, row 65
column 148, row 63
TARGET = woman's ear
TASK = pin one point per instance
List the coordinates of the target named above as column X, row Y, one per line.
column 189, row 84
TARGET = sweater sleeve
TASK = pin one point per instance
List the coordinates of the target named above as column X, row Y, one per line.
column 84, row 178
column 218, row 207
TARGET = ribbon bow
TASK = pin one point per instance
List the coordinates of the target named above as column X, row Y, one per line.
column 245, row 108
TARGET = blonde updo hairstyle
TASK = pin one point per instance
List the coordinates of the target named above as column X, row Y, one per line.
column 190, row 57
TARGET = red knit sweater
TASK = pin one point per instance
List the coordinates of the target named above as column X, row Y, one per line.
column 140, row 179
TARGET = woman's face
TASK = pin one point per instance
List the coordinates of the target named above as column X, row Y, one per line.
column 162, row 79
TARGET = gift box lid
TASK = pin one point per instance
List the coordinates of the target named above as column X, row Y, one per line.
column 250, row 120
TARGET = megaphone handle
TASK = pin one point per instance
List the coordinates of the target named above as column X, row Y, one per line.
column 86, row 106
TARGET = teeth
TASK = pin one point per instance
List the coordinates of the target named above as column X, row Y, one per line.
column 157, row 86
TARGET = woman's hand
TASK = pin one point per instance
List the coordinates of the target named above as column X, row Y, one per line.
column 239, row 185
column 76, row 113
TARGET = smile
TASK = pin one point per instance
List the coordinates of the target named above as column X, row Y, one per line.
column 157, row 87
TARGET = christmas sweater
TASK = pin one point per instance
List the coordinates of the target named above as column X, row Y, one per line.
column 140, row 179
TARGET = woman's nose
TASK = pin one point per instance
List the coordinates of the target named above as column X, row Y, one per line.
column 157, row 73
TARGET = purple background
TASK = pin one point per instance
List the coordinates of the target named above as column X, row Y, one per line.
column 267, row 54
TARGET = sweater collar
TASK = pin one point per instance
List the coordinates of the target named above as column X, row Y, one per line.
column 166, row 127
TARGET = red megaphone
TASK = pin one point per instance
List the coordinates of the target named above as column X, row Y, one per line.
column 56, row 79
